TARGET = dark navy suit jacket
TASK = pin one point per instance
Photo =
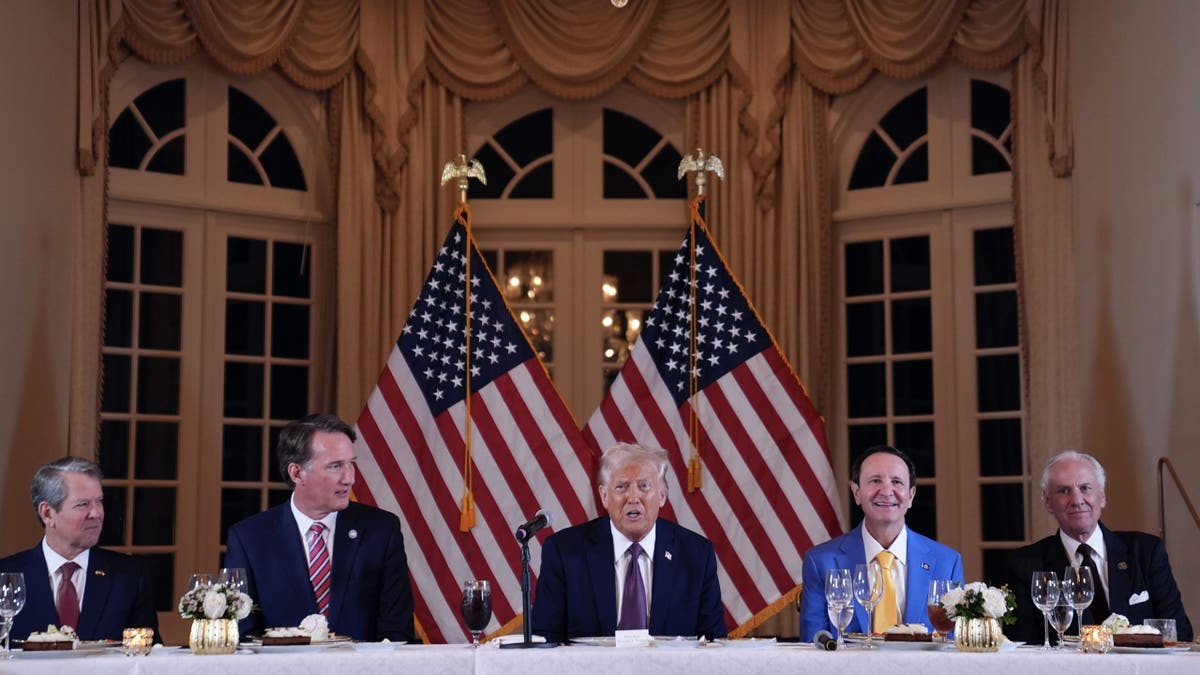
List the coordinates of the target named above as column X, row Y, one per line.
column 926, row 560
column 371, row 597
column 1138, row 569
column 116, row 595
column 576, row 588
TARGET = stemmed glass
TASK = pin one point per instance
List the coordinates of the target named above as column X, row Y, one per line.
column 942, row 623
column 1060, row 617
column 233, row 577
column 200, row 580
column 839, row 598
column 868, row 590
column 1045, row 591
column 476, row 607
column 12, row 601
column 1082, row 591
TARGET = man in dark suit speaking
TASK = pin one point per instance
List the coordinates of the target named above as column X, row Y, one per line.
column 319, row 552
column 1131, row 571
column 629, row 569
column 69, row 581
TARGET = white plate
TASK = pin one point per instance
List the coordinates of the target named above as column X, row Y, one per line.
column 602, row 641
column 1143, row 650
column 744, row 643
column 913, row 646
column 287, row 649
column 676, row 642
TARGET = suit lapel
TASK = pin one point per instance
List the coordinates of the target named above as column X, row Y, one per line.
column 920, row 563
column 96, row 589
column 39, row 599
column 603, row 573
column 663, row 578
column 345, row 550
column 296, row 573
column 1120, row 580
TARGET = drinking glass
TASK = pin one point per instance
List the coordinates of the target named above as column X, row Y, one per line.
column 1167, row 628
column 1083, row 590
column 12, row 601
column 1060, row 617
column 1045, row 591
column 839, row 598
column 868, row 590
column 941, row 622
column 200, row 580
column 233, row 577
column 476, row 607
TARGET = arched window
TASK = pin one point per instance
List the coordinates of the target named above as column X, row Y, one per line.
column 926, row 335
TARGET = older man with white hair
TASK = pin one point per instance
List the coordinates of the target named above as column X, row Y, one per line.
column 1132, row 573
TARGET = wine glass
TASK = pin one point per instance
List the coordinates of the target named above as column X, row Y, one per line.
column 12, row 601
column 839, row 598
column 200, row 580
column 1060, row 617
column 941, row 622
column 233, row 577
column 476, row 607
column 1045, row 591
column 1082, row 592
column 868, row 590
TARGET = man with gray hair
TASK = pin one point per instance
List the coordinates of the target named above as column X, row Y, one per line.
column 1131, row 570
column 629, row 569
column 69, row 581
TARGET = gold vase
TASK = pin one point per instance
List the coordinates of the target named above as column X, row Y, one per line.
column 213, row 636
column 977, row 635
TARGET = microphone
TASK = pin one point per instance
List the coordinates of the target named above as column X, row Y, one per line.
column 824, row 641
column 541, row 519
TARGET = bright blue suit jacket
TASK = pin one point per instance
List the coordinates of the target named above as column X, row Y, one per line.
column 116, row 595
column 371, row 597
column 576, row 588
column 926, row 560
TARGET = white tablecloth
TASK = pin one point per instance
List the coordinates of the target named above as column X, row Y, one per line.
column 488, row 660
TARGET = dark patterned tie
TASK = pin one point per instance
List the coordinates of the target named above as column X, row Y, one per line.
column 68, row 599
column 319, row 568
column 633, row 596
column 1098, row 610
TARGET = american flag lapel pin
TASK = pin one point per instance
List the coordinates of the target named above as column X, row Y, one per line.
column 925, row 566
column 99, row 573
column 667, row 555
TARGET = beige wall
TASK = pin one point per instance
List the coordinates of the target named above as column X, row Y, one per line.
column 1136, row 106
column 37, row 215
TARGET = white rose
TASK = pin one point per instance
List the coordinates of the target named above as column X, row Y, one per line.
column 241, row 606
column 214, row 605
column 317, row 626
column 993, row 603
column 950, row 599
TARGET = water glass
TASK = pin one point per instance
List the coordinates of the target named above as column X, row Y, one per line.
column 868, row 590
column 1167, row 628
column 12, row 601
column 938, row 618
column 1061, row 616
column 839, row 599
column 233, row 577
column 1082, row 590
column 201, row 580
column 1046, row 594
column 476, row 607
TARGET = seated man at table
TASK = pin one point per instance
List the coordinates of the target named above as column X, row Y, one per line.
column 629, row 569
column 883, row 481
column 69, row 581
column 319, row 552
column 1130, row 569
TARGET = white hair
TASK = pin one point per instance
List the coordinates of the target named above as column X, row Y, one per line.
column 1101, row 477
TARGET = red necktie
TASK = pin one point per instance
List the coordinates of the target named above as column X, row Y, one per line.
column 633, row 595
column 68, row 599
column 319, row 570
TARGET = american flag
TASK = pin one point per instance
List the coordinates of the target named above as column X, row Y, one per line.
column 766, row 486
column 526, row 450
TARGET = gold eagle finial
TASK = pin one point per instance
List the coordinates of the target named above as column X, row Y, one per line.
column 701, row 164
column 463, row 170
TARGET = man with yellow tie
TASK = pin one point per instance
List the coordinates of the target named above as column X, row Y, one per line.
column 883, row 480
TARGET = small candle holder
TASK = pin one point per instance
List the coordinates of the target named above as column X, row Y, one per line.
column 1095, row 639
column 137, row 641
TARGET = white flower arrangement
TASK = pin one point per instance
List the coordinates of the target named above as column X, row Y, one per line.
column 977, row 600
column 215, row 602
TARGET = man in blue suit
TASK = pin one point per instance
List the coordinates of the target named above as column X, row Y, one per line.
column 319, row 552
column 630, row 569
column 883, row 480
column 68, row 579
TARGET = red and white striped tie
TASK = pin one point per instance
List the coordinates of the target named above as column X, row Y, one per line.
column 319, row 570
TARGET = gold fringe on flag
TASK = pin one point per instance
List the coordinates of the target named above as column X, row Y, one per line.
column 786, row 600
column 693, row 359
column 466, row 519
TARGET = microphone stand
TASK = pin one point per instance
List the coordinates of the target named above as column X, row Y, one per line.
column 526, row 584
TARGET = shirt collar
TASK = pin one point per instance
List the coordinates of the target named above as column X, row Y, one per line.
column 899, row 548
column 621, row 543
column 304, row 522
column 1096, row 541
column 55, row 561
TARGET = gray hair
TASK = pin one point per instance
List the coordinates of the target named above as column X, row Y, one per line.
column 1073, row 454
column 624, row 454
column 49, row 483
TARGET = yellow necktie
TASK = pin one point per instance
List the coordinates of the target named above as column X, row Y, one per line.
column 885, row 613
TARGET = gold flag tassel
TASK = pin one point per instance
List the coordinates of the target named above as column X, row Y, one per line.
column 463, row 171
column 699, row 164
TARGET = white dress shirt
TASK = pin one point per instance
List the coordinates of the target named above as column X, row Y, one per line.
column 303, row 523
column 899, row 548
column 621, row 545
column 1099, row 556
column 54, row 561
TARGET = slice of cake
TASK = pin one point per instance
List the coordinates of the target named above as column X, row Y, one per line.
column 908, row 632
column 52, row 639
column 1126, row 635
column 274, row 637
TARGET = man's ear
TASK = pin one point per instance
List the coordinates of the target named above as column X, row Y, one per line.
column 45, row 513
column 604, row 496
column 294, row 470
